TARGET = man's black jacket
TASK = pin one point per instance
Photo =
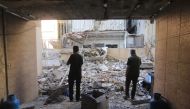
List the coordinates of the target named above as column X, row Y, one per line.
column 75, row 61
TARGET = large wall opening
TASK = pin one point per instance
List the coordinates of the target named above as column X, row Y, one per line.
column 33, row 53
column 105, row 46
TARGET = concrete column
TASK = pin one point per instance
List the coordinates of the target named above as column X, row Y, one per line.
column 22, row 57
column 39, row 47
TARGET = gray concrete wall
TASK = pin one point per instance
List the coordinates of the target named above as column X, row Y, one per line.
column 172, row 73
column 119, row 40
column 22, row 57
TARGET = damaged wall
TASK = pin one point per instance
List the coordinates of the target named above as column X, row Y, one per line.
column 173, row 57
column 2, row 64
column 21, row 48
column 96, row 25
column 124, row 53
column 118, row 40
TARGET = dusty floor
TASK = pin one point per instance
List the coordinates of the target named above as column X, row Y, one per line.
column 115, row 102
column 105, row 72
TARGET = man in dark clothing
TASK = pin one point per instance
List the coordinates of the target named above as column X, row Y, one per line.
column 132, row 73
column 75, row 61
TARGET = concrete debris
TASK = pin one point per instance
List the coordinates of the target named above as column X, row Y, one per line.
column 77, row 35
column 93, row 54
column 107, row 74
column 58, row 95
column 103, row 67
column 146, row 64
column 50, row 54
column 51, row 63
column 51, row 58
column 116, row 101
column 94, row 100
column 52, row 78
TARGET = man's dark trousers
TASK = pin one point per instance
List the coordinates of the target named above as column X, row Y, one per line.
column 71, row 84
column 127, row 83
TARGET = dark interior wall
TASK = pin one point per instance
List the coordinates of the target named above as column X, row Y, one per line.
column 2, row 64
column 21, row 52
column 172, row 71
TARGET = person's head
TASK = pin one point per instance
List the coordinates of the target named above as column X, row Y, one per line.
column 133, row 52
column 75, row 49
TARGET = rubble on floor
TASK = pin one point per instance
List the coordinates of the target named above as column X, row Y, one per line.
column 115, row 102
column 52, row 79
column 107, row 74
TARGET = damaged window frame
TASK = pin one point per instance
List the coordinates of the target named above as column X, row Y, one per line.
column 138, row 41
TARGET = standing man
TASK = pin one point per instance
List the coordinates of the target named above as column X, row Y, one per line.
column 75, row 61
column 132, row 73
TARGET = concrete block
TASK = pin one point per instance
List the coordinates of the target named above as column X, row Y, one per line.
column 162, row 28
column 185, row 22
column 184, row 85
column 184, row 75
column 171, row 82
column 184, row 71
column 2, row 79
column 172, row 74
column 172, row 49
column 159, row 86
column 171, row 94
column 184, row 55
column 173, row 23
column 2, row 93
column 157, row 29
column 183, row 100
column 161, row 50
column 160, row 70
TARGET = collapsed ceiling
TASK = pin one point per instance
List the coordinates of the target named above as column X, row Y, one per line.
column 85, row 9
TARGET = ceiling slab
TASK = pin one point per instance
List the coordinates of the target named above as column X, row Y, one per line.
column 85, row 9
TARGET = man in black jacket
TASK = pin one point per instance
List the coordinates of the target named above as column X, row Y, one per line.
column 75, row 61
column 132, row 73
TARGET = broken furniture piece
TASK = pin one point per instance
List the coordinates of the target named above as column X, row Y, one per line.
column 94, row 100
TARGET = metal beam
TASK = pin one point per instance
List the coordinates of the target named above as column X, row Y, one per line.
column 24, row 18
column 10, row 12
column 3, row 6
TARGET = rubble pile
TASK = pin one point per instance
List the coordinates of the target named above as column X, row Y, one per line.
column 52, row 79
column 93, row 54
column 107, row 74
column 51, row 58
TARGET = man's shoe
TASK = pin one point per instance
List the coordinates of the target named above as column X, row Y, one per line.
column 126, row 97
column 132, row 98
column 71, row 100
column 77, row 100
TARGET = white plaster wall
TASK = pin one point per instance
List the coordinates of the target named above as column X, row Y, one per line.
column 107, row 40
